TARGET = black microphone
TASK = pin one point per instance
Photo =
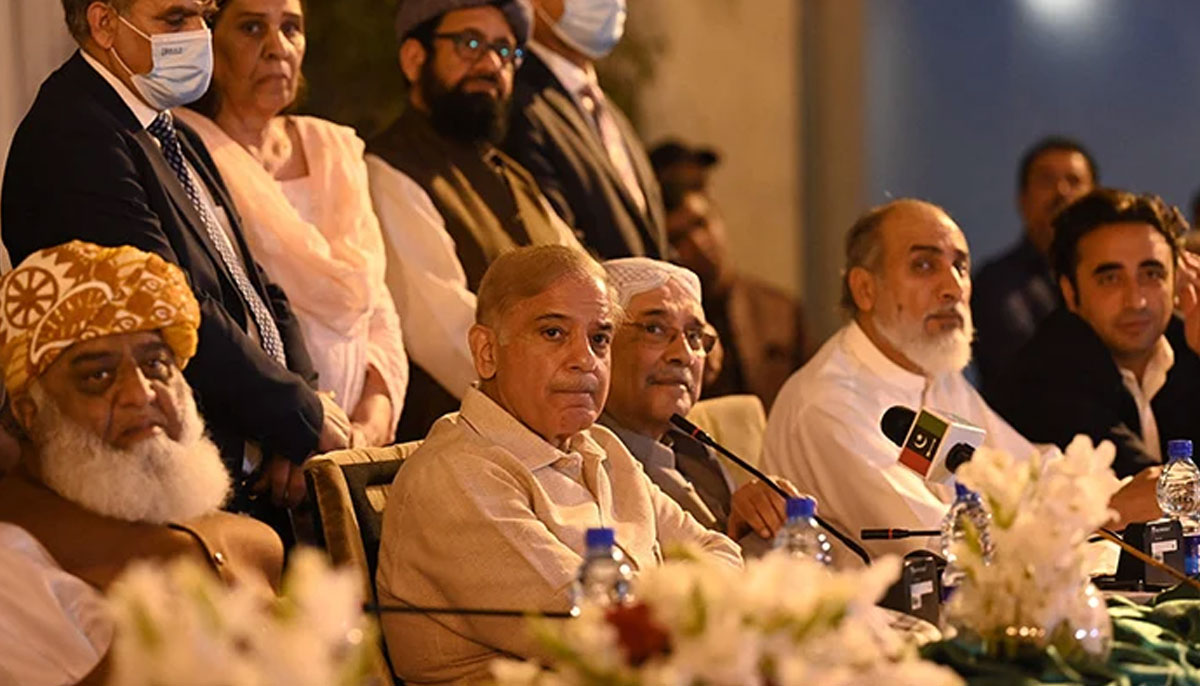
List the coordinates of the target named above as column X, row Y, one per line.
column 463, row 611
column 697, row 433
column 894, row 534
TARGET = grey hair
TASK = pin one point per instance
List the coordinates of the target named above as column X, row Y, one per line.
column 75, row 13
column 864, row 248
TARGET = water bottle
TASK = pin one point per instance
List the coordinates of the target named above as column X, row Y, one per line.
column 1179, row 498
column 801, row 536
column 605, row 578
column 966, row 515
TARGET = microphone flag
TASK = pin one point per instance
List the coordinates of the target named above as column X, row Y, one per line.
column 922, row 444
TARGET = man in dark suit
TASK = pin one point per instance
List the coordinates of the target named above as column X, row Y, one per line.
column 581, row 149
column 1115, row 363
column 99, row 158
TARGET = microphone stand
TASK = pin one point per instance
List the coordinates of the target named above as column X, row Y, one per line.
column 697, row 433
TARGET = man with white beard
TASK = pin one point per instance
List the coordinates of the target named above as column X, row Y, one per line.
column 116, row 467
column 906, row 287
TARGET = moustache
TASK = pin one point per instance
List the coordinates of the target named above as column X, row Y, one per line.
column 581, row 385
column 683, row 377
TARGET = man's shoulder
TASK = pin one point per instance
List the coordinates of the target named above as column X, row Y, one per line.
column 832, row 377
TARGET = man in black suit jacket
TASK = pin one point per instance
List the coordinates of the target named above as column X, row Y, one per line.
column 584, row 153
column 1115, row 363
column 85, row 165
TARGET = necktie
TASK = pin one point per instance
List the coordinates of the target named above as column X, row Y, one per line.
column 163, row 128
column 593, row 101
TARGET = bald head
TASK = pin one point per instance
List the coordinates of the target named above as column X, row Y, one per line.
column 908, row 283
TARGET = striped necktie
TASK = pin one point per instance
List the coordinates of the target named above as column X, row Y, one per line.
column 163, row 128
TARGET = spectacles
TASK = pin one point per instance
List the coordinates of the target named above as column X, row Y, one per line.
column 700, row 340
column 470, row 46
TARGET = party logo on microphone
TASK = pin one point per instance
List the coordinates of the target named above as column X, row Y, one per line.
column 922, row 443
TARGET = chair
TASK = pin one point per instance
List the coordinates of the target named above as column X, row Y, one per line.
column 737, row 422
column 349, row 490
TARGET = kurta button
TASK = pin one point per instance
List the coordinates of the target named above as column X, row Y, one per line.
column 219, row 557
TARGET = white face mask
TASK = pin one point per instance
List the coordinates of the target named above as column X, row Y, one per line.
column 593, row 27
column 183, row 66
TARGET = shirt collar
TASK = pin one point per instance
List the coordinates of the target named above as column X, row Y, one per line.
column 1155, row 376
column 648, row 451
column 573, row 77
column 871, row 357
column 144, row 113
column 493, row 422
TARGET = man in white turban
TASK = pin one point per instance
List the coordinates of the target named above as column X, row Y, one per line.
column 658, row 355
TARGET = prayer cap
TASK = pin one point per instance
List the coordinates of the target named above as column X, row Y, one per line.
column 413, row 13
column 78, row 291
column 630, row 276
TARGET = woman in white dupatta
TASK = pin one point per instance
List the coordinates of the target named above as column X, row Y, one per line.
column 300, row 184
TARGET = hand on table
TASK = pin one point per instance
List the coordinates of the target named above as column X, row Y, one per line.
column 757, row 507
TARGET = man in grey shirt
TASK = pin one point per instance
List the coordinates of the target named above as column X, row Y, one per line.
column 658, row 357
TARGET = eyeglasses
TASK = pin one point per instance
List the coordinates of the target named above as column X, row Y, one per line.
column 470, row 46
column 700, row 340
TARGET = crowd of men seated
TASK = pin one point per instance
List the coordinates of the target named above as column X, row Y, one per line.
column 209, row 290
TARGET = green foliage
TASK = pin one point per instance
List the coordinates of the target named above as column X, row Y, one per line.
column 351, row 67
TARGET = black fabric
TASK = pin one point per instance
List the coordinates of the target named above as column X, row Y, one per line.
column 82, row 167
column 1011, row 295
column 552, row 138
column 1065, row 382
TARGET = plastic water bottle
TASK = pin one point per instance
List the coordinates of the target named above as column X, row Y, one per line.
column 801, row 536
column 605, row 578
column 966, row 517
column 1179, row 498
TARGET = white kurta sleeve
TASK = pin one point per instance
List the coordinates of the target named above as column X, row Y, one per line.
column 426, row 279
column 53, row 626
column 853, row 470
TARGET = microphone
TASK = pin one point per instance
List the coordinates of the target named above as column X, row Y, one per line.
column 462, row 611
column 895, row 534
column 933, row 444
column 697, row 433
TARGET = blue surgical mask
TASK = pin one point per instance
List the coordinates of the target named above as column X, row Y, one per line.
column 183, row 66
column 593, row 27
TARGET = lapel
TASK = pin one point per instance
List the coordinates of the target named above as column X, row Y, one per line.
column 559, row 100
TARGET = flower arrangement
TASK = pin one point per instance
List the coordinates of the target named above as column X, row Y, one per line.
column 178, row 624
column 781, row 621
column 1036, row 591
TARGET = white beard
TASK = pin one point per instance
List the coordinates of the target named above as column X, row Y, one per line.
column 937, row 354
column 158, row 480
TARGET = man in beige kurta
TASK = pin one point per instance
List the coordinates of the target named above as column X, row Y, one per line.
column 492, row 510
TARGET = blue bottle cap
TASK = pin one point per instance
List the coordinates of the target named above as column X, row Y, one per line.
column 600, row 537
column 961, row 491
column 1179, row 448
column 801, row 507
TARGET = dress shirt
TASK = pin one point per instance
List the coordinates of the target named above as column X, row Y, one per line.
column 54, row 628
column 487, row 514
column 1153, row 379
column 823, row 434
column 426, row 279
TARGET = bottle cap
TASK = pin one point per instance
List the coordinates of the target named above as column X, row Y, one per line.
column 1179, row 448
column 961, row 491
column 801, row 507
column 600, row 537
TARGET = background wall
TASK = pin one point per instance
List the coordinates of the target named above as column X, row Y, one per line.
column 957, row 90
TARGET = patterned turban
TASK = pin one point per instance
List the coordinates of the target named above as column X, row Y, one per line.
column 631, row 276
column 78, row 291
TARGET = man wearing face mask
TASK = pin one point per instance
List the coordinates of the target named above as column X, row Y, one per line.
column 584, row 153
column 448, row 200
column 99, row 157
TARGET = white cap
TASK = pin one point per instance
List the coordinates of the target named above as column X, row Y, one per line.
column 631, row 276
